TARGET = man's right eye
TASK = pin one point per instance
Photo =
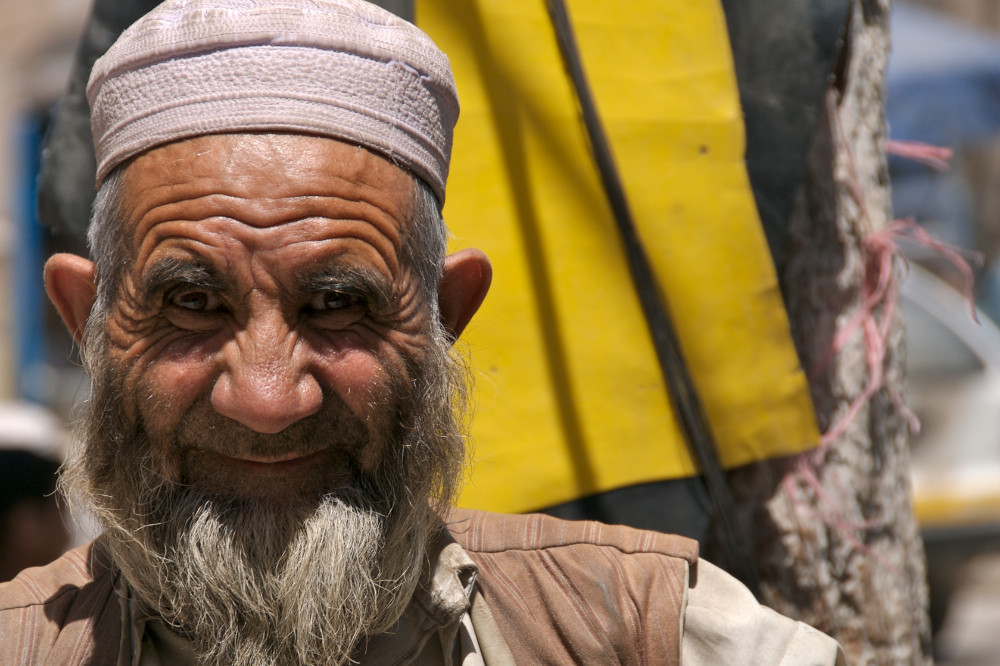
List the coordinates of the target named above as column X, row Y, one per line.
column 198, row 300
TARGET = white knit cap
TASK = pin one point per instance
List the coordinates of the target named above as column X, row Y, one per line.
column 344, row 69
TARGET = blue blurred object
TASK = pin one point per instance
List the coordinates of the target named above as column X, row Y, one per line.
column 27, row 263
column 943, row 89
column 943, row 79
column 988, row 292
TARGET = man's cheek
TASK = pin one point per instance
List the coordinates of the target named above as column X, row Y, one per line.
column 167, row 387
column 372, row 390
column 359, row 378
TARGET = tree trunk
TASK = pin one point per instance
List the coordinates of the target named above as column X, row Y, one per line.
column 833, row 532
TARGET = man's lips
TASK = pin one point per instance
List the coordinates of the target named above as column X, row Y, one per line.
column 251, row 473
column 283, row 462
column 273, row 459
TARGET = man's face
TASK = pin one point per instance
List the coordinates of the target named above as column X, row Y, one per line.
column 267, row 296
column 271, row 409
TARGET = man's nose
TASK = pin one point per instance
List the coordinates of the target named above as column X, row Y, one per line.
column 266, row 384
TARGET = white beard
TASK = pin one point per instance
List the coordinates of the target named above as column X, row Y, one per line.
column 252, row 590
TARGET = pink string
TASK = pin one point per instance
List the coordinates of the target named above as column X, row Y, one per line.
column 935, row 157
column 959, row 257
column 833, row 516
column 879, row 299
column 880, row 292
column 880, row 296
column 880, row 287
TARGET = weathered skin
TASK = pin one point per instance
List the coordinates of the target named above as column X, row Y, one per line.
column 267, row 287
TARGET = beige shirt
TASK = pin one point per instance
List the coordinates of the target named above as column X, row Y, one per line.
column 445, row 626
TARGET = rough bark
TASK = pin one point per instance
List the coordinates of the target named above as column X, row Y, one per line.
column 844, row 553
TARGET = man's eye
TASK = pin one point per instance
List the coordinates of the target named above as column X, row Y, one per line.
column 333, row 300
column 196, row 300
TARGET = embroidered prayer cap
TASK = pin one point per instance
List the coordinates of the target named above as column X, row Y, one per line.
column 344, row 69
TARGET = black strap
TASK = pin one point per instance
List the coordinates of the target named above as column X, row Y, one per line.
column 740, row 561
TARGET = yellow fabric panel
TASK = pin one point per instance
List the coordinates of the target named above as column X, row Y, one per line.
column 570, row 399
column 956, row 506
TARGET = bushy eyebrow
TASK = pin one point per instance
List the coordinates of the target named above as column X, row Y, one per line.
column 169, row 272
column 364, row 282
column 358, row 281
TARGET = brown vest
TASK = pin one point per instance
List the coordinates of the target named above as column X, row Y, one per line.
column 561, row 593
column 579, row 592
column 65, row 614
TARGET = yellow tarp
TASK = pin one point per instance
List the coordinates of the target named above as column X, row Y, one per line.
column 570, row 399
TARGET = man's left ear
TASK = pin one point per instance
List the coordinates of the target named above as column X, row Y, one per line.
column 466, row 279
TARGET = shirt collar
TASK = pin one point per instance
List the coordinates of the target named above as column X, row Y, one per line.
column 441, row 601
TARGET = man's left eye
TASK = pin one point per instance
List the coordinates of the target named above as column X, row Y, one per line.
column 333, row 300
column 196, row 300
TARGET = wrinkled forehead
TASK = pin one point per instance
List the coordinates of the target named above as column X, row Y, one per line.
column 263, row 179
column 282, row 162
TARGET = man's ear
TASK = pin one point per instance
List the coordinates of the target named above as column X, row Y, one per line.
column 70, row 284
column 466, row 279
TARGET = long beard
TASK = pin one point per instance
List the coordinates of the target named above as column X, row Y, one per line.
column 250, row 589
column 264, row 582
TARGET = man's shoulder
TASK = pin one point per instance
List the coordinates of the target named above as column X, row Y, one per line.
column 69, row 574
column 576, row 561
column 485, row 532
column 57, row 613
column 584, row 592
column 579, row 591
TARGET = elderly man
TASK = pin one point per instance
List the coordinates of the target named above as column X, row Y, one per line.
column 272, row 443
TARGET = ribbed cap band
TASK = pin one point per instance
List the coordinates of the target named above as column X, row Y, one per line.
column 345, row 69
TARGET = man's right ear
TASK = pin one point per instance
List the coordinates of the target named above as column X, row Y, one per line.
column 70, row 284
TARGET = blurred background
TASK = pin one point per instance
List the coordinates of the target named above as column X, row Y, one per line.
column 39, row 376
column 37, row 43
column 944, row 90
